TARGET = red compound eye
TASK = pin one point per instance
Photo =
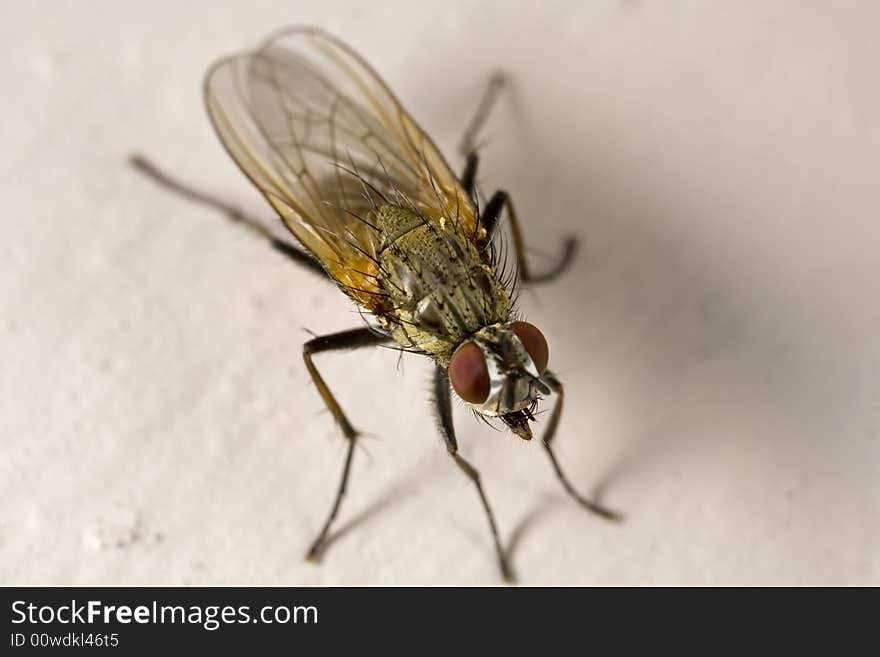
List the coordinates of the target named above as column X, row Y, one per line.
column 468, row 374
column 534, row 342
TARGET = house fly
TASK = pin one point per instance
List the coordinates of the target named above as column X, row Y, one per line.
column 375, row 208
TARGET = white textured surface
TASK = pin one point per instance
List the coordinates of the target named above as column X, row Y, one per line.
column 719, row 336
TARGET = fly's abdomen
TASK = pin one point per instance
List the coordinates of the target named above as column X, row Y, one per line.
column 440, row 290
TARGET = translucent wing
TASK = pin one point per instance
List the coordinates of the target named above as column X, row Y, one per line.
column 325, row 140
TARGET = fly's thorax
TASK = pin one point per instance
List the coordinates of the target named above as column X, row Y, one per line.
column 440, row 290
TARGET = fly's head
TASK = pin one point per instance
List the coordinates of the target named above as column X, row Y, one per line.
column 498, row 373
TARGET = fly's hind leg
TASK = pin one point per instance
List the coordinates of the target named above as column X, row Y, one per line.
column 496, row 84
column 362, row 337
column 444, row 416
column 468, row 147
column 547, row 439
column 234, row 214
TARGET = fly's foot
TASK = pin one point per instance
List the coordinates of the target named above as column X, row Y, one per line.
column 569, row 251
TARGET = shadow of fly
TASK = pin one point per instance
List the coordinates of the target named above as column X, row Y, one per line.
column 375, row 208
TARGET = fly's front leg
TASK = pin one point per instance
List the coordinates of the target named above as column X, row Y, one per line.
column 489, row 218
column 362, row 337
column 444, row 416
column 231, row 212
column 547, row 439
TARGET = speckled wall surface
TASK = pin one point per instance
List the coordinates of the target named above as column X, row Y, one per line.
column 719, row 336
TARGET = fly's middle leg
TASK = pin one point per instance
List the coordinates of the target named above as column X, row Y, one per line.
column 234, row 214
column 547, row 439
column 490, row 216
column 444, row 415
column 492, row 212
column 362, row 337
